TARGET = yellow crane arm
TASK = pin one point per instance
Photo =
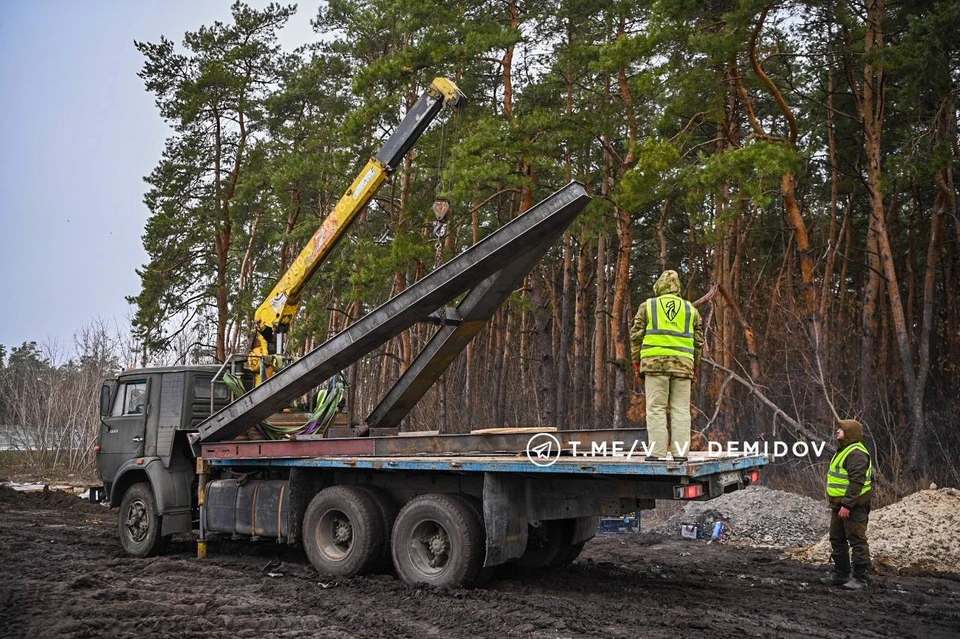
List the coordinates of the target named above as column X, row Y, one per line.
column 274, row 316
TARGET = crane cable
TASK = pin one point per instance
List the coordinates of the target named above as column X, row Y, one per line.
column 441, row 204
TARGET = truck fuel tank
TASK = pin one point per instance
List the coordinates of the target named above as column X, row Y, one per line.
column 254, row 507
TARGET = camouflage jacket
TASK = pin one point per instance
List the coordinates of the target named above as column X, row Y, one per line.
column 673, row 365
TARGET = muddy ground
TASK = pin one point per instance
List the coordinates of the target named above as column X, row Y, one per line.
column 62, row 573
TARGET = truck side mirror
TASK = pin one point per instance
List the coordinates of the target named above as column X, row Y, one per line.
column 104, row 400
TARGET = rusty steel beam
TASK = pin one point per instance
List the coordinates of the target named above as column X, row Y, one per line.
column 426, row 445
column 289, row 449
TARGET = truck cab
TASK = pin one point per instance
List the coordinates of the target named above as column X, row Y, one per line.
column 143, row 456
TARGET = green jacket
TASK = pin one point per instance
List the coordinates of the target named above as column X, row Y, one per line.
column 668, row 282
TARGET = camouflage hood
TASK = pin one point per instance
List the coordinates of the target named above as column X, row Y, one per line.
column 852, row 432
column 669, row 282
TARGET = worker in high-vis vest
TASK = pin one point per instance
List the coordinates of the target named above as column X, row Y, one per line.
column 667, row 337
column 849, row 488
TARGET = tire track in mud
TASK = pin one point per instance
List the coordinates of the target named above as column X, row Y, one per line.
column 62, row 573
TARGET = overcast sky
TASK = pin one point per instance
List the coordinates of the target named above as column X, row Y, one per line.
column 79, row 133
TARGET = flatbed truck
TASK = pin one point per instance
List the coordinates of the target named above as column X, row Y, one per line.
column 175, row 454
column 439, row 509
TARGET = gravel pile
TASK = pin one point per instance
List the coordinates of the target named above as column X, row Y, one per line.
column 922, row 531
column 756, row 516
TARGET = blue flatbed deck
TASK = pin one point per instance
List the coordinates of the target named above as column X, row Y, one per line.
column 698, row 465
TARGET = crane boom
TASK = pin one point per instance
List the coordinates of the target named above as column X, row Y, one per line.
column 274, row 316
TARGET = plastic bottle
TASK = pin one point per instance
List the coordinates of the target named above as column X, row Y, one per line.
column 717, row 530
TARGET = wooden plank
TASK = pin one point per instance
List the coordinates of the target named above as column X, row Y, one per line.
column 500, row 431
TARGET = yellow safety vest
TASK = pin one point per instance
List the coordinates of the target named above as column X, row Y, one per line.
column 669, row 328
column 837, row 478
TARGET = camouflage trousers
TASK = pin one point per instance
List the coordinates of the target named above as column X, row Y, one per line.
column 663, row 391
column 849, row 536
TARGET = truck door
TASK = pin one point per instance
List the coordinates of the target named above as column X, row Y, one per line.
column 122, row 431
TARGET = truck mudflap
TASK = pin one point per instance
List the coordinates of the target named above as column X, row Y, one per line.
column 585, row 529
column 504, row 517
column 511, row 502
column 172, row 489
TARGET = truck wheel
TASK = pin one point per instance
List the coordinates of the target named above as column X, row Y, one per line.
column 543, row 545
column 438, row 541
column 342, row 531
column 388, row 510
column 486, row 572
column 568, row 554
column 568, row 551
column 140, row 523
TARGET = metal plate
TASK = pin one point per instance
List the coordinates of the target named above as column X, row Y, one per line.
column 727, row 479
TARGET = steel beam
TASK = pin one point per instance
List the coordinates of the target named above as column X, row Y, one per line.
column 464, row 272
column 448, row 342
column 428, row 445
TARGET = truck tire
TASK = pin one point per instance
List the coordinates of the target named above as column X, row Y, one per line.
column 568, row 554
column 568, row 551
column 139, row 522
column 342, row 531
column 486, row 572
column 438, row 541
column 543, row 544
column 388, row 510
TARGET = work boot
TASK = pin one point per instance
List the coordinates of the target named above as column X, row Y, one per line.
column 836, row 579
column 856, row 583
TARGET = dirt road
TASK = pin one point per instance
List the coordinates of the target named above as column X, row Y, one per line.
column 62, row 574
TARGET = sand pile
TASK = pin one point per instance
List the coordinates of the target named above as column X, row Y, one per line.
column 922, row 531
